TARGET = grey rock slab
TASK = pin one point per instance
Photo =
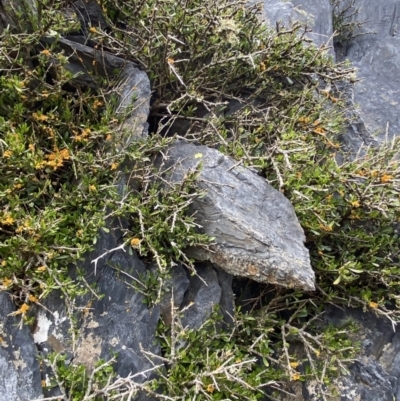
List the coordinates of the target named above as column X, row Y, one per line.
column 375, row 51
column 9, row 14
column 227, row 301
column 132, row 85
column 90, row 14
column 374, row 376
column 375, row 373
column 203, row 295
column 175, row 288
column 119, row 322
column 20, row 378
column 315, row 14
column 257, row 234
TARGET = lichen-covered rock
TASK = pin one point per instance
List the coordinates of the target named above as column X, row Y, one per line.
column 257, row 234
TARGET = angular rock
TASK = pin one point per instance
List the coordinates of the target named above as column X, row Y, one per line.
column 376, row 54
column 175, row 289
column 203, row 294
column 120, row 322
column 373, row 376
column 315, row 14
column 256, row 231
column 132, row 84
column 20, row 378
column 10, row 11
column 90, row 14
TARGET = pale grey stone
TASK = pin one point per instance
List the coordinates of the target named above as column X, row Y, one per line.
column 257, row 234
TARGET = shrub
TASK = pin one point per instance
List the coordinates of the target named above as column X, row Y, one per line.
column 267, row 98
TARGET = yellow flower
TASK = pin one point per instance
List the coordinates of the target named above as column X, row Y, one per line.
column 41, row 269
column 3, row 263
column 198, row 156
column 355, row 203
column 7, row 220
column 40, row 117
column 92, row 188
column 32, row 298
column 317, row 352
column 135, row 242
column 294, row 364
column 325, row 227
column 46, row 52
column 7, row 153
column 31, row 147
column 304, row 120
column 296, row 376
column 386, row 178
column 109, row 137
column 79, row 233
column 210, row 388
column 93, row 29
column 319, row 130
column 23, row 309
column 97, row 103
column 373, row 305
column 7, row 282
column 114, row 166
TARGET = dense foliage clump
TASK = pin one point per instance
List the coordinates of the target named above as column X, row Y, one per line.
column 221, row 78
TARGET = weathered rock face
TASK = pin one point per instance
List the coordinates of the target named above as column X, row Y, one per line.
column 117, row 322
column 374, row 50
column 19, row 366
column 256, row 231
column 373, row 376
column 376, row 54
column 315, row 14
column 133, row 87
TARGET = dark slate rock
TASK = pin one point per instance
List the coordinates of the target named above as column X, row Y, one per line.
column 90, row 14
column 203, row 295
column 374, row 376
column 9, row 14
column 227, row 301
column 368, row 382
column 315, row 14
column 120, row 322
column 133, row 85
column 175, row 288
column 376, row 54
column 20, row 378
column 256, row 231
